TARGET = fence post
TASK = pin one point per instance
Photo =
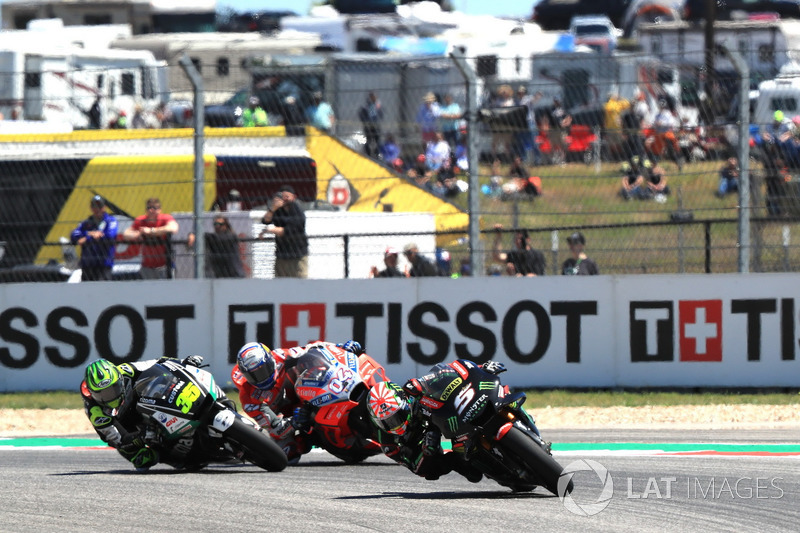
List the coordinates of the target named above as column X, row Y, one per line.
column 198, row 122
column 743, row 153
column 475, row 245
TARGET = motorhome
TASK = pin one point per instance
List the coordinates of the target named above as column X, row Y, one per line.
column 41, row 82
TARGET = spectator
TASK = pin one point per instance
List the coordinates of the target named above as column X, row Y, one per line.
column 223, row 253
column 120, row 122
column 634, row 121
column 391, row 270
column 521, row 181
column 95, row 114
column 138, row 121
column 320, row 114
column 729, row 178
column 286, row 220
column 420, row 266
column 96, row 235
column 450, row 119
column 254, row 115
column 613, row 111
column 657, row 187
column 502, row 130
column 579, row 264
column 428, row 118
column 525, row 140
column 293, row 117
column 559, row 123
column 420, row 168
column 523, row 259
column 437, row 152
column 449, row 185
column 152, row 234
column 665, row 141
column 390, row 150
column 633, row 181
column 371, row 115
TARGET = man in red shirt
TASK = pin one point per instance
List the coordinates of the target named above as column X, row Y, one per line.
column 151, row 235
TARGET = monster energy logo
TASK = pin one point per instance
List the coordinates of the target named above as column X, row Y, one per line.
column 452, row 423
column 486, row 385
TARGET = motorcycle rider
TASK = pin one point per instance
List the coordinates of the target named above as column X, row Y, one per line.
column 267, row 394
column 412, row 442
column 105, row 389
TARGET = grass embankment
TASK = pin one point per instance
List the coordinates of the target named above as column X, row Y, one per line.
column 580, row 195
column 536, row 399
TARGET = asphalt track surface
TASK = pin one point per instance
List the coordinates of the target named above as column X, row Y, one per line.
column 87, row 490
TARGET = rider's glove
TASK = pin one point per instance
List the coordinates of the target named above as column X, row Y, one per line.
column 281, row 429
column 412, row 388
column 431, row 443
column 352, row 347
column 302, row 418
column 131, row 442
column 493, row 367
column 193, row 360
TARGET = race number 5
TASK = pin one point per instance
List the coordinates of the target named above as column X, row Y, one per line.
column 463, row 398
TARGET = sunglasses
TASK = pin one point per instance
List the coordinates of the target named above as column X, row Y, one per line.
column 219, row 224
column 155, row 207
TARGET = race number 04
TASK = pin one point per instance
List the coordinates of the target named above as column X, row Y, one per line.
column 463, row 398
column 337, row 384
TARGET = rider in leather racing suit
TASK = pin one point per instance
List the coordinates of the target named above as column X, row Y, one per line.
column 406, row 437
column 104, row 389
column 267, row 393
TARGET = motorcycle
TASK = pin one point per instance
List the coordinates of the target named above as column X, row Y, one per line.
column 333, row 384
column 188, row 419
column 471, row 408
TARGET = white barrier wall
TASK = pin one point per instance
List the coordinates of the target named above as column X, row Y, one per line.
column 607, row 331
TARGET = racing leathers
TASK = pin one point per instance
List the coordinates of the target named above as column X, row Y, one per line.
column 119, row 428
column 272, row 409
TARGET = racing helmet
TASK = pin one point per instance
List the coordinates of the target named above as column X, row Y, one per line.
column 105, row 383
column 388, row 408
column 257, row 365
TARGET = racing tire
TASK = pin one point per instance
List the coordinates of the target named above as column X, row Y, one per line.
column 545, row 468
column 257, row 447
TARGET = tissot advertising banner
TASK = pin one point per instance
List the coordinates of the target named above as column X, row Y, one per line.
column 604, row 331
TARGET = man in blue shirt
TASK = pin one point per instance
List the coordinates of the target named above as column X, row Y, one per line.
column 97, row 236
column 320, row 114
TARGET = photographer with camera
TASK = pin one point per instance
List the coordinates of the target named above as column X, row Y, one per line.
column 286, row 220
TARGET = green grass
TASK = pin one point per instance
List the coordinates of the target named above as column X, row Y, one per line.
column 536, row 398
column 579, row 195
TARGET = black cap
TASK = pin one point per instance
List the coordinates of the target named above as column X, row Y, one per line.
column 98, row 200
column 576, row 237
column 287, row 188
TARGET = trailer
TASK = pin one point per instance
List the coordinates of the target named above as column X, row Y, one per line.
column 59, row 84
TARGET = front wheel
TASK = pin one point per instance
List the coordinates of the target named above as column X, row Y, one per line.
column 545, row 468
column 257, row 447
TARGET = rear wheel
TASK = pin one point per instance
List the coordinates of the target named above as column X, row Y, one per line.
column 258, row 447
column 545, row 468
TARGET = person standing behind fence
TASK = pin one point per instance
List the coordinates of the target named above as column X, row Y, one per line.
column 371, row 115
column 223, row 255
column 254, row 115
column 286, row 220
column 523, row 260
column 420, row 266
column 151, row 235
column 428, row 118
column 579, row 264
column 450, row 120
column 320, row 114
column 391, row 270
column 96, row 235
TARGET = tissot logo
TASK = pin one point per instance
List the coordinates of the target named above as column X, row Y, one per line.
column 700, row 325
column 652, row 330
column 301, row 324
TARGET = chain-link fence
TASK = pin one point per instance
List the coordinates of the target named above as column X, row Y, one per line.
column 637, row 152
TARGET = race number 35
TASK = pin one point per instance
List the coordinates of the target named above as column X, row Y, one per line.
column 187, row 397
